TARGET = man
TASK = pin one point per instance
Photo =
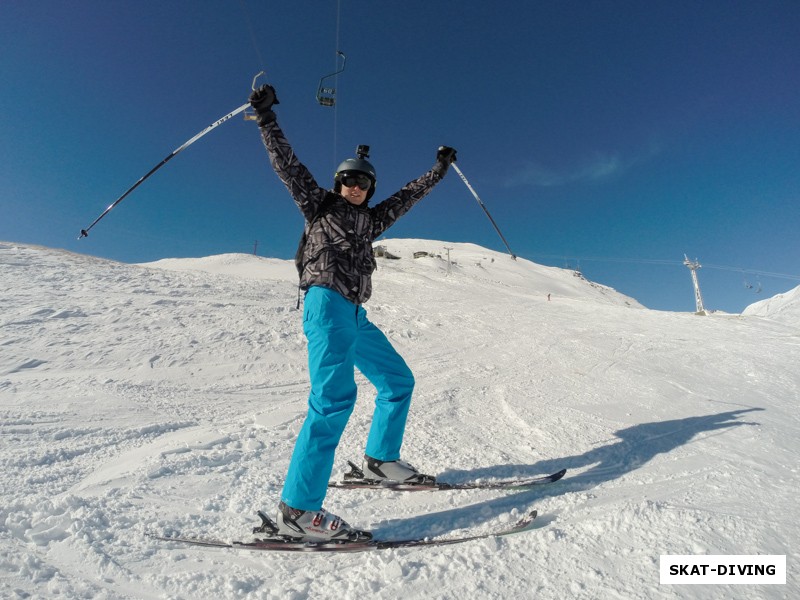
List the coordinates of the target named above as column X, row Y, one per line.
column 335, row 262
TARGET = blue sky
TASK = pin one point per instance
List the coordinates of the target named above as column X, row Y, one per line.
column 612, row 136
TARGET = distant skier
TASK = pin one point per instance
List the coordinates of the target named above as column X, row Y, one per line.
column 335, row 262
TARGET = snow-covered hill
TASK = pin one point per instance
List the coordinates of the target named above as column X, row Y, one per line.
column 166, row 397
column 784, row 308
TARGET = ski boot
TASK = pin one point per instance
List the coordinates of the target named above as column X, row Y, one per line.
column 393, row 470
column 316, row 526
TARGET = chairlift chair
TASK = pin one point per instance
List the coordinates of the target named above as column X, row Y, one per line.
column 326, row 96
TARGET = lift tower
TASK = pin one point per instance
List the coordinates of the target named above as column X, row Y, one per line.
column 698, row 297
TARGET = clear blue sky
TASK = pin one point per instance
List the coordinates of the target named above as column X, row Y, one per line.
column 610, row 135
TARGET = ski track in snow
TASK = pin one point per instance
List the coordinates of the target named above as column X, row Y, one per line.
column 166, row 398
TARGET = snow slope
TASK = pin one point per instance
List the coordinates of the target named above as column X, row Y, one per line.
column 784, row 308
column 165, row 398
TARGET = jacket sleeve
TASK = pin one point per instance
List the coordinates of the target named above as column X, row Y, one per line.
column 395, row 206
column 302, row 186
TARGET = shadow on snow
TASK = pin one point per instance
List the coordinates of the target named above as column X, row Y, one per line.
column 631, row 448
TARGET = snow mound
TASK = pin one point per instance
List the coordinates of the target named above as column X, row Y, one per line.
column 246, row 266
column 412, row 262
column 784, row 308
column 487, row 271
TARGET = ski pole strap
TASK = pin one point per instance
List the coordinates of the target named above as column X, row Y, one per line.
column 483, row 206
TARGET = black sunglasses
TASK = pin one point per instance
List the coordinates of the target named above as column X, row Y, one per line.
column 356, row 179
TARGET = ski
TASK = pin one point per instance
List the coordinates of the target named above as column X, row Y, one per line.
column 355, row 480
column 274, row 543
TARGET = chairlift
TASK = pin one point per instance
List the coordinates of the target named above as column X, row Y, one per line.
column 326, row 96
column 756, row 288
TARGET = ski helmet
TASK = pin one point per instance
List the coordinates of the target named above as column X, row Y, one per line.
column 359, row 165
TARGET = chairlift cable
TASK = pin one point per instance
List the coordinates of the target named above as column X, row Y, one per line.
column 336, row 80
column 251, row 30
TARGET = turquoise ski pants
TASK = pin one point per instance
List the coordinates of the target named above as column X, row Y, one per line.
column 341, row 339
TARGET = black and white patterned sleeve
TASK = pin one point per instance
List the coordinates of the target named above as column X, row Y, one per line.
column 302, row 186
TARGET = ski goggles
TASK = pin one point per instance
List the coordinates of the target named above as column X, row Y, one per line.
column 353, row 179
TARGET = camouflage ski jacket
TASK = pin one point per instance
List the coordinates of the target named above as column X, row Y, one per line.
column 338, row 236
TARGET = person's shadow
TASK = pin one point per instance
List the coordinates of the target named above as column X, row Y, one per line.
column 630, row 449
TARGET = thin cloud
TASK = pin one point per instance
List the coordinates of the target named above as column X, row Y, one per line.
column 599, row 168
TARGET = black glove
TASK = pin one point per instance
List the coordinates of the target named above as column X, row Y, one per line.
column 262, row 101
column 445, row 156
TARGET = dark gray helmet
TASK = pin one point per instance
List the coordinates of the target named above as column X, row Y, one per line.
column 360, row 165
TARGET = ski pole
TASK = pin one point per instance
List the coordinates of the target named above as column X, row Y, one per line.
column 483, row 206
column 85, row 232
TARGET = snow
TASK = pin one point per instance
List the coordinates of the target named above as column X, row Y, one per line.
column 165, row 398
column 784, row 308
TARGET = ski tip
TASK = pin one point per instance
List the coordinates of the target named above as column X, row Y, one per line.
column 559, row 475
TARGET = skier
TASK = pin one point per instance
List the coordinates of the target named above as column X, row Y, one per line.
column 335, row 261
